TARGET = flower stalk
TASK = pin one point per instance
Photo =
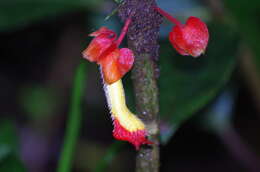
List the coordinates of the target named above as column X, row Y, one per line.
column 168, row 16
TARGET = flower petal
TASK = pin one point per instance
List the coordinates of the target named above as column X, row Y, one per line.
column 177, row 41
column 137, row 137
column 103, row 30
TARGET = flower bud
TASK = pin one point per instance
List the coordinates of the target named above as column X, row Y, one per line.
column 191, row 38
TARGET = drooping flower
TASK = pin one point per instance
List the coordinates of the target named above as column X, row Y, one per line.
column 190, row 38
column 114, row 63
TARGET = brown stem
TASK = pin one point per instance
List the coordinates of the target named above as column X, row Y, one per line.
column 142, row 39
column 146, row 93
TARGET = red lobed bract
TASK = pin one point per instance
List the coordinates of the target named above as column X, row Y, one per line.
column 125, row 60
column 109, row 67
column 190, row 39
column 116, row 64
column 137, row 138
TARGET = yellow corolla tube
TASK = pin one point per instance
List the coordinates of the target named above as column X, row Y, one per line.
column 127, row 126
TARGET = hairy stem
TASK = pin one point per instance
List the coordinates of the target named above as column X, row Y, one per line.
column 146, row 93
column 142, row 39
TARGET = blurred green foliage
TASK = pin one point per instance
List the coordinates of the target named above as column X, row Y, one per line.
column 74, row 119
column 12, row 164
column 218, row 116
column 8, row 139
column 246, row 16
column 110, row 155
column 15, row 14
column 38, row 102
column 186, row 84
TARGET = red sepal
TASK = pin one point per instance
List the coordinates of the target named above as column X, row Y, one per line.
column 137, row 138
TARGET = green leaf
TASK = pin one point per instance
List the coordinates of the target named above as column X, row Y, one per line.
column 19, row 13
column 112, row 13
column 74, row 119
column 186, row 84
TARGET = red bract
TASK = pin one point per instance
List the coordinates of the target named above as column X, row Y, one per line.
column 125, row 60
column 116, row 64
column 104, row 50
column 189, row 39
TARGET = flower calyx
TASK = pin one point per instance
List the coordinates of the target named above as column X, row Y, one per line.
column 104, row 49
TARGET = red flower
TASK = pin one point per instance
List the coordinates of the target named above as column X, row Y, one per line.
column 114, row 63
column 189, row 39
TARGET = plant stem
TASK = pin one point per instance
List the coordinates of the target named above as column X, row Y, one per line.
column 142, row 40
column 168, row 16
column 73, row 121
column 146, row 92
